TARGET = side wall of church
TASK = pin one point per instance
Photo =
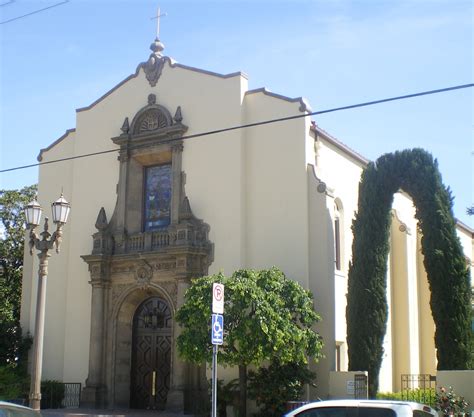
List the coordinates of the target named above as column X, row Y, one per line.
column 341, row 175
column 276, row 203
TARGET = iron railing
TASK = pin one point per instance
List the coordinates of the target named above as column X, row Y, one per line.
column 361, row 386
column 420, row 388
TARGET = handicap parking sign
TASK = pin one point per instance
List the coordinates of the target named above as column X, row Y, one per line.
column 217, row 329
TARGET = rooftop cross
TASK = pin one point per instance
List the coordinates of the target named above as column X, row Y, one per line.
column 157, row 17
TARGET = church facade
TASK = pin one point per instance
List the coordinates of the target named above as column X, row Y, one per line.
column 169, row 204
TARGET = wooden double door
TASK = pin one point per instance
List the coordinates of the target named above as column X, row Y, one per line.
column 151, row 355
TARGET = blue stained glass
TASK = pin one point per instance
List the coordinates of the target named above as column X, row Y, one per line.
column 157, row 196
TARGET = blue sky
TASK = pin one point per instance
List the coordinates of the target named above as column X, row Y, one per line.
column 333, row 53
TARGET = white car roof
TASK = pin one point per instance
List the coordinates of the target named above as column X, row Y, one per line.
column 363, row 403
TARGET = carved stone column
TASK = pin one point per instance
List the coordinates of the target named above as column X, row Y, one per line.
column 93, row 394
column 176, row 394
column 177, row 184
column 119, row 214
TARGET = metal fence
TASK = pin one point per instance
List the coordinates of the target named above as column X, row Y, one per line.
column 361, row 386
column 72, row 395
column 420, row 388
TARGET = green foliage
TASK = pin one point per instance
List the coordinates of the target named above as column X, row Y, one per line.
column 12, row 233
column 274, row 386
column 227, row 394
column 416, row 173
column 52, row 394
column 419, row 395
column 13, row 384
column 267, row 317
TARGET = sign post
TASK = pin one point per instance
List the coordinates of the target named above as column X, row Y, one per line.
column 217, row 337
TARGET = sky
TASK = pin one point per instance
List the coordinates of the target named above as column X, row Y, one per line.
column 332, row 52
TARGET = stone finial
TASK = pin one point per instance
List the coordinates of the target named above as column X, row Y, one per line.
column 185, row 212
column 151, row 99
column 178, row 117
column 101, row 222
column 157, row 47
column 125, row 127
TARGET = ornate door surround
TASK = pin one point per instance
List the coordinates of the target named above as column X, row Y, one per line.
column 130, row 263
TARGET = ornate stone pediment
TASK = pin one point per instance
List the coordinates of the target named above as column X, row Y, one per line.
column 153, row 123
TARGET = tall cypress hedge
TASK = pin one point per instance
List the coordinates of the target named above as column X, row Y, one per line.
column 415, row 172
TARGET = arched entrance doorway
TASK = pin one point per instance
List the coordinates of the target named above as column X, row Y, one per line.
column 151, row 354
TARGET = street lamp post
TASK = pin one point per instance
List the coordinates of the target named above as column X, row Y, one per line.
column 43, row 243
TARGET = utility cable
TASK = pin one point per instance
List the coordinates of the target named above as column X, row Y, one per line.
column 33, row 12
column 7, row 3
column 264, row 122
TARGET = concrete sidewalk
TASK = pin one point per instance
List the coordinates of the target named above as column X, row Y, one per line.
column 82, row 412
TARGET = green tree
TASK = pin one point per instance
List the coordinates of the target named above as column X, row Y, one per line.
column 267, row 317
column 12, row 234
column 274, row 386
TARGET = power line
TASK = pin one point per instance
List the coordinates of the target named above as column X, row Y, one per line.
column 7, row 3
column 264, row 122
column 33, row 12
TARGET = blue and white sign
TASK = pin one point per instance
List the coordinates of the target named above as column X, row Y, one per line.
column 217, row 329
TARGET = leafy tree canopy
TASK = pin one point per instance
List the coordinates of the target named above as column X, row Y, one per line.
column 266, row 317
column 12, row 234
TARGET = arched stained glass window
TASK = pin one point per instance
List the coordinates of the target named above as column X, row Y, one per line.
column 157, row 197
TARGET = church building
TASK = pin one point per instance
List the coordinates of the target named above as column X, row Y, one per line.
column 171, row 202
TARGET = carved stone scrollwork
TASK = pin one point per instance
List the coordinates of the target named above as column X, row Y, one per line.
column 177, row 148
column 153, row 119
column 171, row 287
column 117, row 291
column 143, row 275
column 153, row 68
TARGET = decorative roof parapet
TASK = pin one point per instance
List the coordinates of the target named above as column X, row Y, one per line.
column 39, row 158
column 304, row 105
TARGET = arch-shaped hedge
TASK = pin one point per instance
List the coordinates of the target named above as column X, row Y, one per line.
column 416, row 173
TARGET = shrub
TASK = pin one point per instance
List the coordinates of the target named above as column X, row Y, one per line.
column 420, row 395
column 449, row 403
column 52, row 394
column 13, row 384
column 274, row 386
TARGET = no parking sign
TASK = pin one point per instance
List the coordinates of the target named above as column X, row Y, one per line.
column 218, row 298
